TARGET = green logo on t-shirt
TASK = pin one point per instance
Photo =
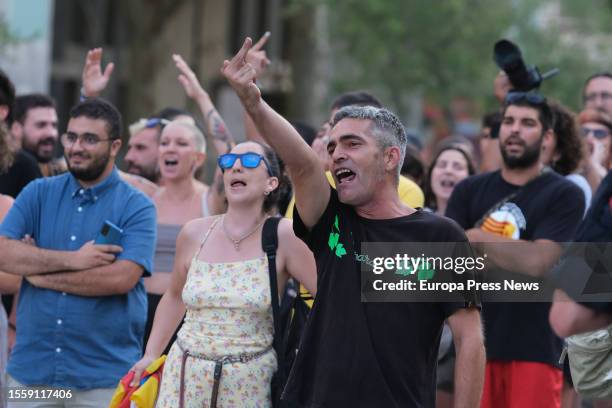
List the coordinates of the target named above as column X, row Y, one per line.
column 423, row 271
column 334, row 237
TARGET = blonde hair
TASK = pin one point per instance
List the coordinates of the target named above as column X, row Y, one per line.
column 197, row 134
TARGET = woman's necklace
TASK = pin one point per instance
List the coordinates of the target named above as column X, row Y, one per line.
column 238, row 241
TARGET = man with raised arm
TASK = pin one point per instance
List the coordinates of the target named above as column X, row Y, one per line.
column 352, row 353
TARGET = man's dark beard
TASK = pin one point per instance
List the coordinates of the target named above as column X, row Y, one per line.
column 94, row 171
column 530, row 156
column 34, row 152
column 148, row 173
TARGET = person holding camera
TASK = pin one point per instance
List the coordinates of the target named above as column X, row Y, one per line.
column 515, row 215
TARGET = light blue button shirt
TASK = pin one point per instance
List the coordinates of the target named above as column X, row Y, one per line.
column 75, row 341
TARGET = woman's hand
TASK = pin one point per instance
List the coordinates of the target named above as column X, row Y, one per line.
column 140, row 367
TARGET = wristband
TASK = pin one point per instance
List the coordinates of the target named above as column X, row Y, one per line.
column 82, row 96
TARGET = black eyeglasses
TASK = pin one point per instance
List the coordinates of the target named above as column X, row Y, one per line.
column 153, row 122
column 597, row 133
column 249, row 160
column 531, row 97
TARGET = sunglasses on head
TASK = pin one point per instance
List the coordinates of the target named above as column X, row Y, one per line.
column 531, row 97
column 153, row 122
column 597, row 133
column 249, row 160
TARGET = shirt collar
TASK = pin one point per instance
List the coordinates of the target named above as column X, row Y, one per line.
column 96, row 190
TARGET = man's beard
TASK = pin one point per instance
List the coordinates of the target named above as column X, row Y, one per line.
column 150, row 173
column 530, row 156
column 33, row 150
column 93, row 171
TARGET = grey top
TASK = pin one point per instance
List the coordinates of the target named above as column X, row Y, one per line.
column 166, row 247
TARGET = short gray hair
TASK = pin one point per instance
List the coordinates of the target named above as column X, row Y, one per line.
column 386, row 127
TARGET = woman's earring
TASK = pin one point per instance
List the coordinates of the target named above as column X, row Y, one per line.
column 266, row 192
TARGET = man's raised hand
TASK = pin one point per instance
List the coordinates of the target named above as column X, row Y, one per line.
column 241, row 76
column 94, row 80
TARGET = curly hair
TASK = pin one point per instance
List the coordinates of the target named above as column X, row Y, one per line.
column 6, row 154
column 569, row 142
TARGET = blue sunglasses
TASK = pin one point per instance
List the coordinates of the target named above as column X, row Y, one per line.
column 249, row 160
column 153, row 122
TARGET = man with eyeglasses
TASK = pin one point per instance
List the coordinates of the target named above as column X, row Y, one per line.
column 597, row 92
column 82, row 305
column 515, row 216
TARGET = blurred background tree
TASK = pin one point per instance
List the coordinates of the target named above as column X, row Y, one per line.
column 439, row 51
column 430, row 61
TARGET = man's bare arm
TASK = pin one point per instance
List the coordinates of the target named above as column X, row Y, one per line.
column 9, row 284
column 471, row 358
column 312, row 190
column 568, row 317
column 19, row 258
column 534, row 258
column 114, row 279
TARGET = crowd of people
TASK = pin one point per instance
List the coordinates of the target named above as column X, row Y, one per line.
column 189, row 277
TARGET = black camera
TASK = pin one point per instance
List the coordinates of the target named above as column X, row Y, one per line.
column 523, row 78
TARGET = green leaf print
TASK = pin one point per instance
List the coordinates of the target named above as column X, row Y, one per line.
column 340, row 251
column 333, row 240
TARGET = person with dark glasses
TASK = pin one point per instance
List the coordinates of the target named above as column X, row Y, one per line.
column 596, row 127
column 221, row 279
column 349, row 348
column 249, row 160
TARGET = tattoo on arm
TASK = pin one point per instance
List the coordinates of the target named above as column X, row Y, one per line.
column 218, row 130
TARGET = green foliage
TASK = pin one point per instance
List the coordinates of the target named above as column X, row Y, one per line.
column 439, row 49
column 444, row 49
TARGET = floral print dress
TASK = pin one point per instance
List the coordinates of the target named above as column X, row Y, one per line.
column 228, row 313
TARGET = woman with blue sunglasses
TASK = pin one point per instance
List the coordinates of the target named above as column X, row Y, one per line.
column 223, row 354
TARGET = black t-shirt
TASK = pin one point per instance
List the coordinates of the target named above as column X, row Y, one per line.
column 367, row 354
column 597, row 227
column 548, row 208
column 24, row 169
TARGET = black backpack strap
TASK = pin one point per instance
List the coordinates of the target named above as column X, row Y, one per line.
column 269, row 243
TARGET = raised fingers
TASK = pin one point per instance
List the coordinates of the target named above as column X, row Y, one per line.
column 182, row 65
column 240, row 57
column 261, row 42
